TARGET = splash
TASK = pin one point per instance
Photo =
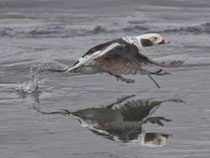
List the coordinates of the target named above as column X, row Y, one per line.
column 30, row 87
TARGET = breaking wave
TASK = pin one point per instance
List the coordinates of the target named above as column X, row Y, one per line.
column 200, row 29
column 65, row 30
column 51, row 31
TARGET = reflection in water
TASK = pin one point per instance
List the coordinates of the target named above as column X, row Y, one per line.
column 123, row 123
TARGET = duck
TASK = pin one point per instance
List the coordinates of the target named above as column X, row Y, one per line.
column 122, row 57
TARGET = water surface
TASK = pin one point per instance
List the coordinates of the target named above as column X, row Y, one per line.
column 38, row 35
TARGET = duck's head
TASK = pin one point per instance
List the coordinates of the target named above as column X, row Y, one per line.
column 151, row 39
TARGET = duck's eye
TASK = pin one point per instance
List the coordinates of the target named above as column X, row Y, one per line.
column 155, row 38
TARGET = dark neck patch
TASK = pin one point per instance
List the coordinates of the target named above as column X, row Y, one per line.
column 146, row 42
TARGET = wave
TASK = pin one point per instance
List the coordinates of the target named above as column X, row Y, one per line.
column 66, row 31
column 59, row 31
column 48, row 31
column 200, row 29
column 35, row 29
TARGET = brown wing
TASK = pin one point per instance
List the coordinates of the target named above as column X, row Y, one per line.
column 122, row 60
column 126, row 59
column 120, row 66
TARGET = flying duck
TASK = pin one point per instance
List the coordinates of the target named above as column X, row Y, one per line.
column 122, row 57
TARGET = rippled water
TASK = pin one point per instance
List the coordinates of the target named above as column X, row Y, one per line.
column 47, row 114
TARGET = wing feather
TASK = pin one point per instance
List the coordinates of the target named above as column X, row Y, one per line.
column 126, row 59
column 121, row 60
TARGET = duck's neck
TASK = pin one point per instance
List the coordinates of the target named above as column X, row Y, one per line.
column 133, row 40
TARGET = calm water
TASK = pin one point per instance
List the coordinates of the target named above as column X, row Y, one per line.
column 95, row 120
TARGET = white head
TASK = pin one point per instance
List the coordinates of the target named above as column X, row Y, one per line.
column 151, row 39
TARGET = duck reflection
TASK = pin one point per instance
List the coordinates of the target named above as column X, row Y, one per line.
column 123, row 123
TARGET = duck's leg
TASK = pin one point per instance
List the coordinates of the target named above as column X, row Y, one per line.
column 118, row 77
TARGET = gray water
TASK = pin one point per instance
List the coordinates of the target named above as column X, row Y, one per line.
column 49, row 34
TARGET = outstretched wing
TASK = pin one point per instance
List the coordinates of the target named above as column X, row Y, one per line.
column 126, row 59
column 122, row 59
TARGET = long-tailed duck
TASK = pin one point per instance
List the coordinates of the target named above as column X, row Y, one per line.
column 122, row 57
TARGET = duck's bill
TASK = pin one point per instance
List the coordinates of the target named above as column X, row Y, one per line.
column 164, row 42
